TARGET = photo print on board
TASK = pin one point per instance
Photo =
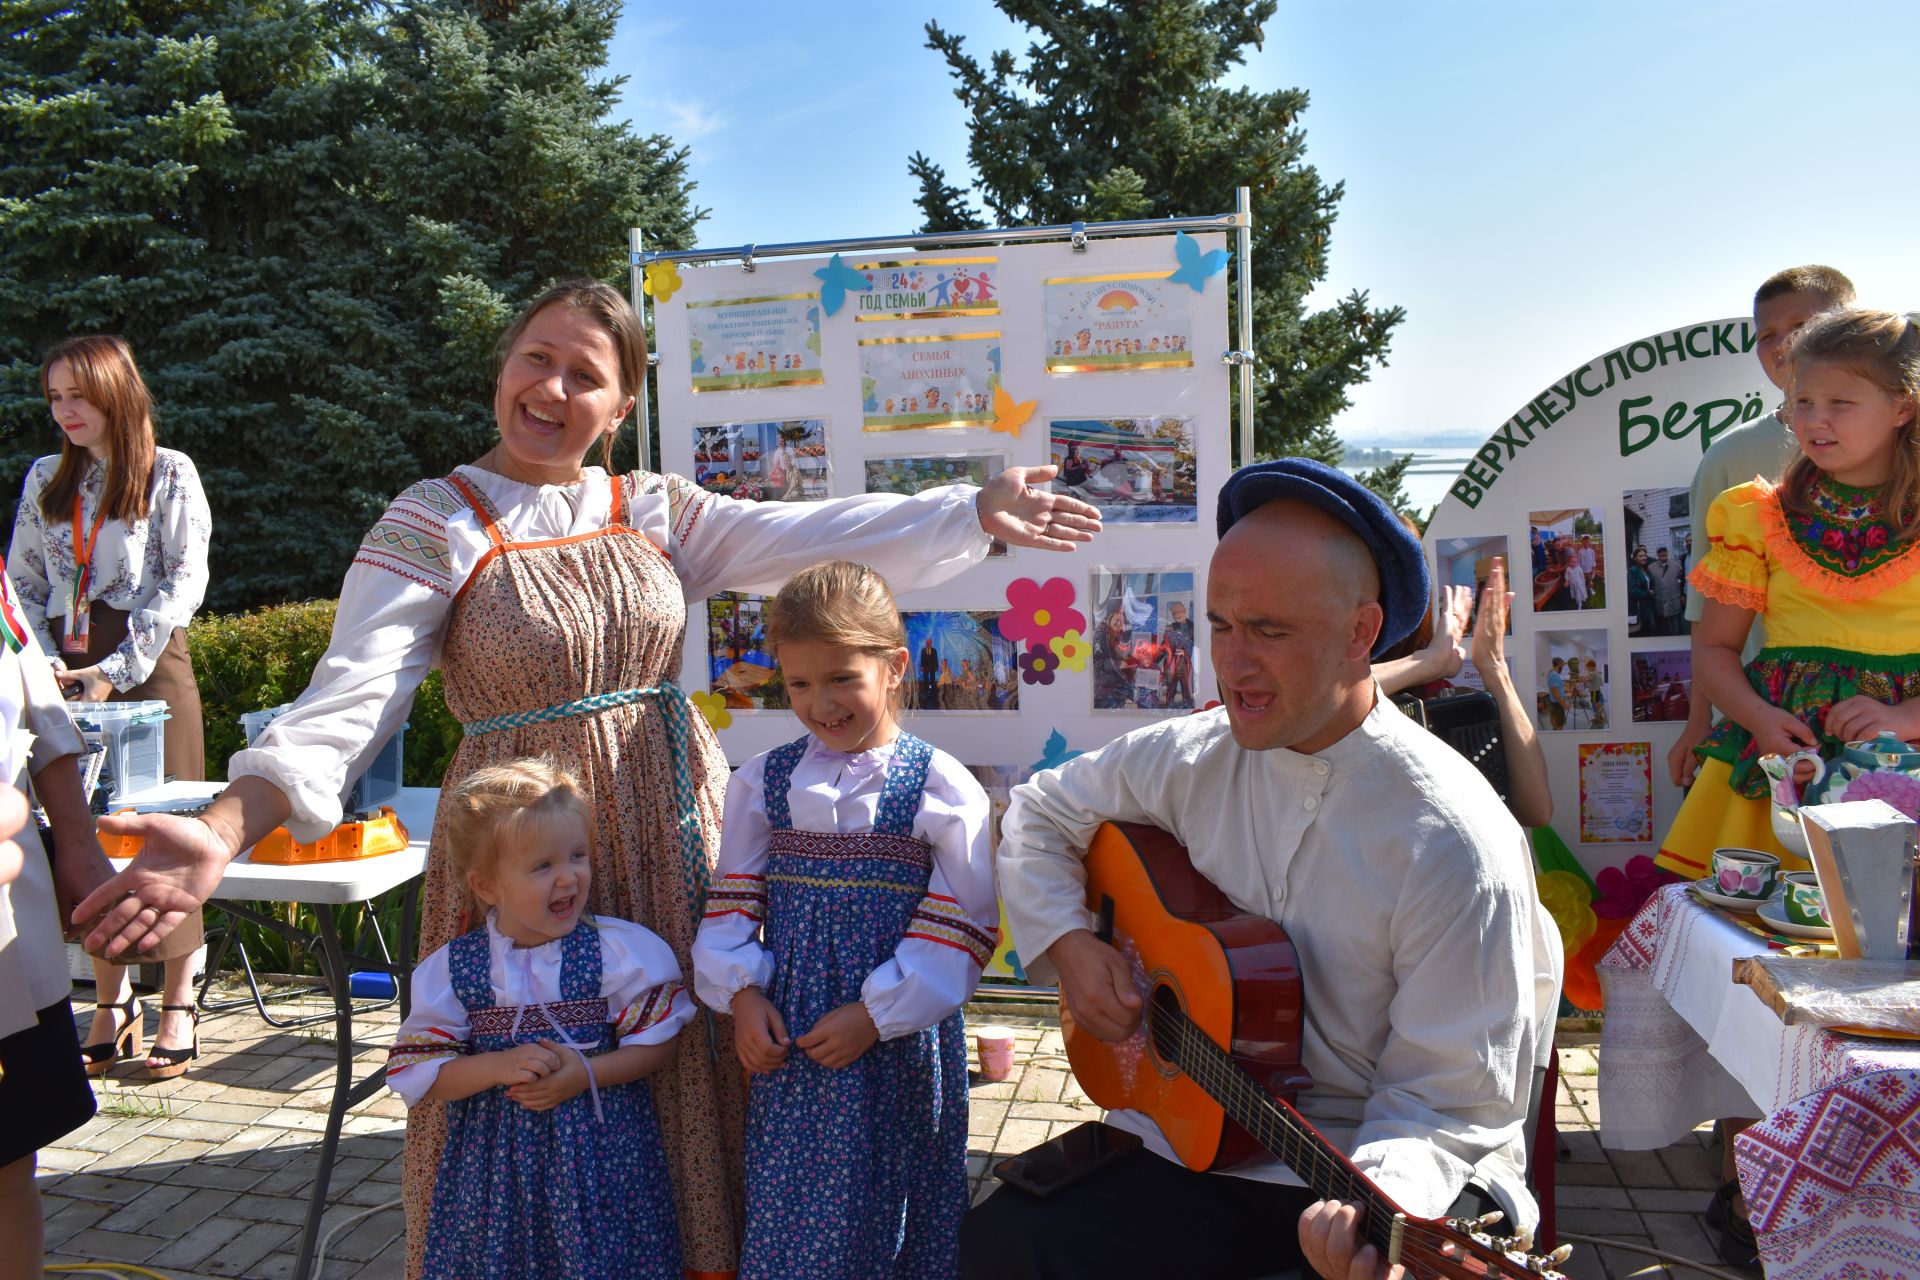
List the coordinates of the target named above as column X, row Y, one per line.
column 1136, row 470
column 739, row 668
column 783, row 461
column 1466, row 562
column 914, row 473
column 1659, row 553
column 1143, row 639
column 744, row 344
column 1570, row 671
column 1568, row 555
column 958, row 661
column 1662, row 684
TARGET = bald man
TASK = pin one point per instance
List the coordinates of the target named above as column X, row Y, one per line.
column 1406, row 887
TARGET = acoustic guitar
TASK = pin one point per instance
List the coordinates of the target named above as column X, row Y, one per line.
column 1217, row 1059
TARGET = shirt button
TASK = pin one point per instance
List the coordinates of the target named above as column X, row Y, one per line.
column 1320, row 767
column 1312, row 803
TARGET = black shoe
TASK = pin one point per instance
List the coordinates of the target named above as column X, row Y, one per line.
column 1733, row 1234
column 99, row 1058
column 174, row 1061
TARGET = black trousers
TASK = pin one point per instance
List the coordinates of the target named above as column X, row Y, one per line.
column 1146, row 1218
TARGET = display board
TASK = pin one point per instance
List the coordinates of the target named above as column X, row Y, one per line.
column 811, row 378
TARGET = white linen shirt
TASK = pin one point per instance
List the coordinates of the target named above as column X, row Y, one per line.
column 155, row 568
column 399, row 593
column 1430, row 969
column 637, row 970
column 937, row 965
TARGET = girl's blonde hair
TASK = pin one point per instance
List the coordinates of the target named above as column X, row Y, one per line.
column 103, row 368
column 1884, row 348
column 838, row 603
column 490, row 808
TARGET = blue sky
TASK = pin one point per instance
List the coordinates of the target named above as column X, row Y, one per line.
column 1536, row 183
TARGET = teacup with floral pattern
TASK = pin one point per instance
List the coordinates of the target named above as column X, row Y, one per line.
column 1804, row 902
column 1745, row 873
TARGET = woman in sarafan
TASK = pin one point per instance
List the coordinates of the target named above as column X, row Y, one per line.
column 553, row 595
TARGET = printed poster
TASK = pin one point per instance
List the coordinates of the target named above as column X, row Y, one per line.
column 739, row 668
column 1136, row 470
column 1117, row 323
column 1616, row 792
column 928, row 289
column 764, row 461
column 930, row 380
column 743, row 344
column 1143, row 639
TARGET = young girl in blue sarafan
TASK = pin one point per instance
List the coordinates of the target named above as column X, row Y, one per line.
column 538, row 1027
column 851, row 916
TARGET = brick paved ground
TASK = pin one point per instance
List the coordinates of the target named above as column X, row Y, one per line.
column 209, row 1175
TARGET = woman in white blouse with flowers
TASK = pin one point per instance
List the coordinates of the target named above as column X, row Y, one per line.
column 109, row 557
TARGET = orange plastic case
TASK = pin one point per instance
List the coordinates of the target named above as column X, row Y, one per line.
column 383, row 833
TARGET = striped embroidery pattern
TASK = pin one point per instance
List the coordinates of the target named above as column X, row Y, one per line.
column 941, row 919
column 410, row 538
column 829, row 882
column 648, row 1011
column 686, row 501
column 425, row 1046
column 832, row 846
column 498, row 1021
column 738, row 894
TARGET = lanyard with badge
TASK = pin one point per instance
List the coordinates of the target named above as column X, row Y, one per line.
column 79, row 608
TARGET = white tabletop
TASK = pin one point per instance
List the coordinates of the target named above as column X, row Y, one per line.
column 355, row 880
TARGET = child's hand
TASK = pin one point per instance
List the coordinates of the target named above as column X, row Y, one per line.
column 759, row 1032
column 838, row 1039
column 1861, row 717
column 1781, row 733
column 524, row 1064
column 554, row 1088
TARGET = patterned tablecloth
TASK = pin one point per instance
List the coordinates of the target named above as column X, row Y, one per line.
column 1831, row 1177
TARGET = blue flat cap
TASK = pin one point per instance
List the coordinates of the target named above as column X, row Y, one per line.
column 1405, row 589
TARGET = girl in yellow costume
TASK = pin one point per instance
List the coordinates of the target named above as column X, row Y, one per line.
column 1829, row 557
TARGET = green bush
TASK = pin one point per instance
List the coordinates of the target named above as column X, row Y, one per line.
column 251, row 661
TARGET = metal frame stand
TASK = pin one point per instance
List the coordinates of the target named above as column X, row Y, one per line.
column 230, row 940
column 1239, row 223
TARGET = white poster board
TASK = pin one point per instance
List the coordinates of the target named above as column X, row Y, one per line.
column 1601, row 459
column 895, row 388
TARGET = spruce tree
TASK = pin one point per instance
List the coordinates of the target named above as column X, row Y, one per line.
column 1118, row 111
column 311, row 219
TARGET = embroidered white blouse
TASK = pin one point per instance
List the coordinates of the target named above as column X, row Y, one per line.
column 155, row 568
column 639, row 978
column 954, row 930
column 399, row 592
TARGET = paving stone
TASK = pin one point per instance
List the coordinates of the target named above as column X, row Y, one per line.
column 391, row 1264
column 1683, row 1234
column 257, row 1206
column 195, row 1246
column 243, row 1255
column 1592, row 1197
column 67, row 1218
column 1569, row 1173
column 64, row 1159
column 1606, row 1223
column 110, row 1246
column 1052, row 1111
column 1018, row 1135
column 142, row 1211
column 367, row 1238
column 102, row 1188
column 214, row 1174
column 1640, row 1168
column 1691, row 1165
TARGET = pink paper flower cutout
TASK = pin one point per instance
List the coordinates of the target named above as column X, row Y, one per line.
column 1037, row 612
column 1624, row 890
column 1037, row 665
column 1072, row 650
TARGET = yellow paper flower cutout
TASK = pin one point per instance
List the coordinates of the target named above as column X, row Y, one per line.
column 662, row 281
column 1072, row 650
column 1008, row 415
column 714, row 707
column 1569, row 901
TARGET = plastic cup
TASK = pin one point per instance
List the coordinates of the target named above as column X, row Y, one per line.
column 996, row 1052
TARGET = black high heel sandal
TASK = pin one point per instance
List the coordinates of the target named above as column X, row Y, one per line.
column 175, row 1060
column 99, row 1058
column 1733, row 1235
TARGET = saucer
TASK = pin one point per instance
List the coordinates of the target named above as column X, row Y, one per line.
column 1709, row 888
column 1774, row 913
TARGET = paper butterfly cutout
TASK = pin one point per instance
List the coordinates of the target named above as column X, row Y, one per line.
column 1009, row 416
column 661, row 280
column 1195, row 265
column 836, row 278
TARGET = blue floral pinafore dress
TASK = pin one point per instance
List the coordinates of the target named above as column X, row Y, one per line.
column 559, row 1193
column 860, row 1173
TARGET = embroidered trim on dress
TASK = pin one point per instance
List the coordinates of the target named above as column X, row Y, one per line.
column 416, row 1047
column 1786, row 549
column 839, row 846
column 498, row 1021
column 738, row 894
column 1727, row 591
column 830, row 882
column 410, row 538
column 649, row 1010
column 941, row 919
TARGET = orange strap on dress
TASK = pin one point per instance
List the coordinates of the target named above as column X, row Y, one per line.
column 480, row 508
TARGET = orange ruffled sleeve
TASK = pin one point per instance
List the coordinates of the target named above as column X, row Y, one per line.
column 1736, row 566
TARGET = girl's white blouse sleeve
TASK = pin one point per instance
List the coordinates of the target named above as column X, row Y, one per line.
column 434, row 1033
column 727, row 953
column 641, row 980
column 955, row 928
column 719, row 543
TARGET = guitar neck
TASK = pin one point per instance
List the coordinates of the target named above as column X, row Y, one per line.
column 1272, row 1123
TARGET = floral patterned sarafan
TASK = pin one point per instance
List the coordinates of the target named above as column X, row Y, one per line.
column 1849, row 534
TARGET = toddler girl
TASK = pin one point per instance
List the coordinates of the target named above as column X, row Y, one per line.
column 852, row 913
column 1829, row 558
column 537, row 1027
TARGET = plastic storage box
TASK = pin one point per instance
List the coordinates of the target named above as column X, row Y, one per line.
column 134, row 736
column 379, row 785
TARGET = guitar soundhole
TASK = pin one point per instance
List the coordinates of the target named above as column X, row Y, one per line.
column 1164, row 1022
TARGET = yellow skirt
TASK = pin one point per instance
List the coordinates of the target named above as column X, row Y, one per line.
column 1714, row 817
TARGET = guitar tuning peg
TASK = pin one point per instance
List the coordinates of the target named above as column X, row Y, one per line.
column 1560, row 1255
column 1486, row 1220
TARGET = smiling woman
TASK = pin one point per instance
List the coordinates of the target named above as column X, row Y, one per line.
column 553, row 595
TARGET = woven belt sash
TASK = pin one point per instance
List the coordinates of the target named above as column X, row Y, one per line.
column 679, row 715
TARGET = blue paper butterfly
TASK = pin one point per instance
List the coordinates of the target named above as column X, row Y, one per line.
column 1195, row 266
column 836, row 278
